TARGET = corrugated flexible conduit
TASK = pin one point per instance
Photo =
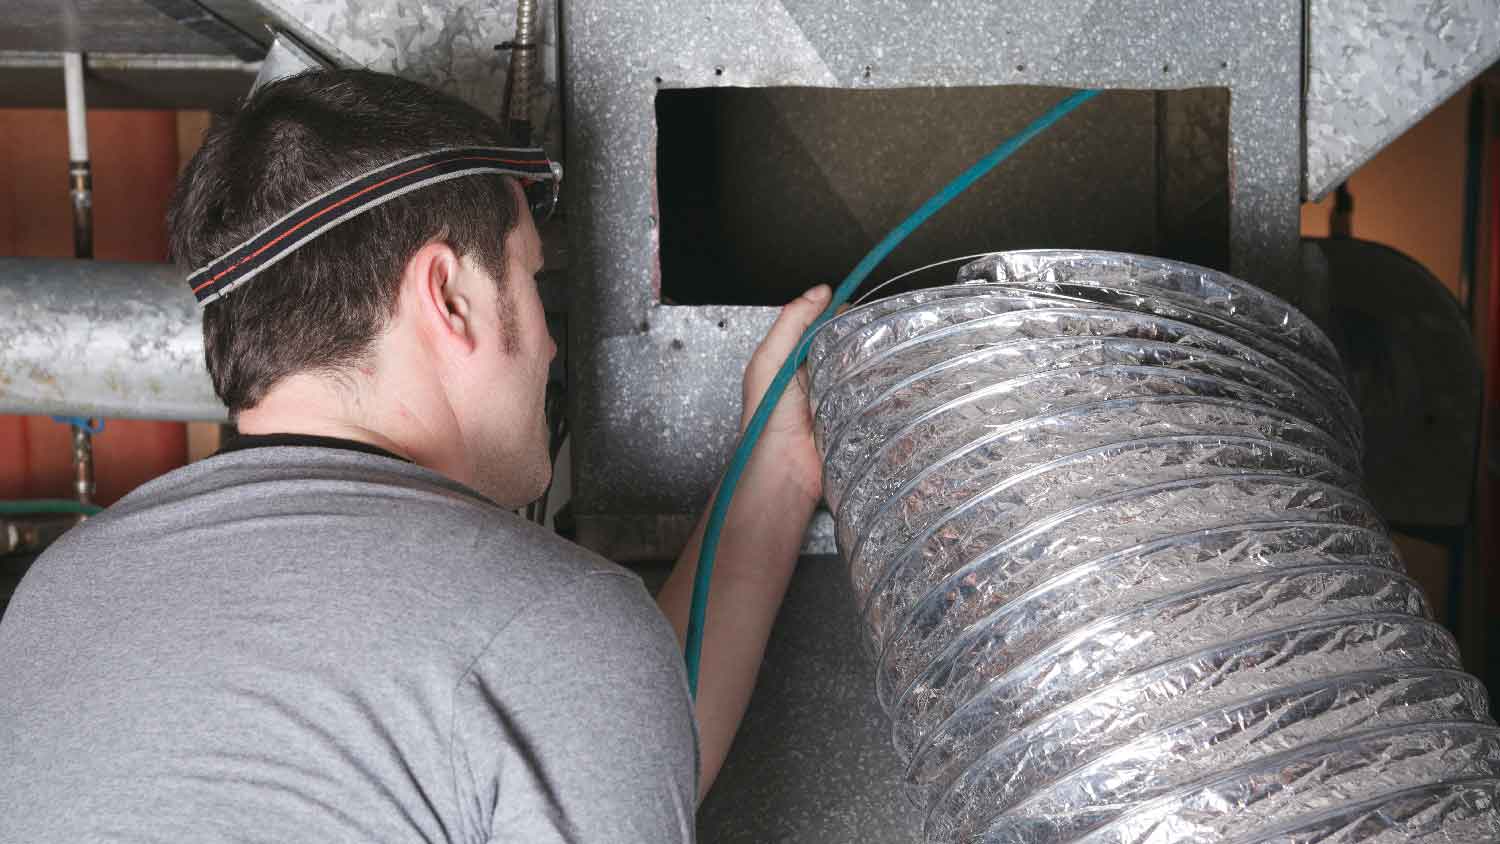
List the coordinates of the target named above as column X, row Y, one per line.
column 1103, row 520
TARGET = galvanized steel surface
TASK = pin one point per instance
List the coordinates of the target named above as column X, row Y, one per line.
column 811, row 763
column 660, row 413
column 287, row 57
column 620, row 54
column 1374, row 68
column 448, row 44
column 101, row 338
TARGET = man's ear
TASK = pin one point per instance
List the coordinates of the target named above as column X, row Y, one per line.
column 439, row 303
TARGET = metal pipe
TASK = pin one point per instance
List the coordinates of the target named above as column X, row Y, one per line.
column 83, row 465
column 101, row 338
column 78, row 135
column 80, row 175
column 522, row 64
column 81, row 185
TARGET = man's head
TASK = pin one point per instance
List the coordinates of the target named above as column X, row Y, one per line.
column 415, row 323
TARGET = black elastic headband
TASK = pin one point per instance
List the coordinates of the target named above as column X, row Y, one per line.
column 354, row 197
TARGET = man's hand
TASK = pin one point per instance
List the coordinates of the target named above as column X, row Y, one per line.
column 788, row 438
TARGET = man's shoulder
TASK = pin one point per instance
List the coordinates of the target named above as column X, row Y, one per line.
column 387, row 521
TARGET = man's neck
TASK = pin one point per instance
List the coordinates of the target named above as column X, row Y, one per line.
column 406, row 417
column 310, row 406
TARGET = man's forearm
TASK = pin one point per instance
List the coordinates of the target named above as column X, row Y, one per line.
column 758, row 550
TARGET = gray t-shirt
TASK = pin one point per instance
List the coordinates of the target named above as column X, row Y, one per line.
column 311, row 644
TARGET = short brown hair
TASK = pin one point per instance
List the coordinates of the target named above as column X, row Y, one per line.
column 320, row 308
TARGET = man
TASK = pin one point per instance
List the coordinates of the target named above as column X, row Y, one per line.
column 334, row 630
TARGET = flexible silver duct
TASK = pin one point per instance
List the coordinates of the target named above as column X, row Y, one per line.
column 1102, row 516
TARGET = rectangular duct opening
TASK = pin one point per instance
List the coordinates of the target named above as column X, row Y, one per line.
column 764, row 192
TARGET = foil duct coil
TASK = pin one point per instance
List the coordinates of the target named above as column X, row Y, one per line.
column 1103, row 520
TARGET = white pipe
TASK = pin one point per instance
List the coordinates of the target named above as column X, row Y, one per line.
column 78, row 132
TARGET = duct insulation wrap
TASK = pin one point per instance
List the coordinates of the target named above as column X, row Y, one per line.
column 1102, row 516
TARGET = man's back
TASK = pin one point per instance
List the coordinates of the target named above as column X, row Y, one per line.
column 302, row 643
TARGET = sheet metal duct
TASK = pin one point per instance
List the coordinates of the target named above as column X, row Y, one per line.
column 101, row 338
column 637, row 464
column 1375, row 68
column 448, row 44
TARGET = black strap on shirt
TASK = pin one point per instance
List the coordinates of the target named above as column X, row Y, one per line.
column 243, row 442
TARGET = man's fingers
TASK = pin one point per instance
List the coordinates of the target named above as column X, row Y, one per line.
column 779, row 343
column 818, row 295
column 815, row 300
column 794, row 320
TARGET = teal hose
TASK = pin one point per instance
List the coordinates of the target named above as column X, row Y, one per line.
column 720, row 510
column 46, row 506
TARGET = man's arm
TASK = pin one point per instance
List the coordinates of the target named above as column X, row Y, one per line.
column 758, row 546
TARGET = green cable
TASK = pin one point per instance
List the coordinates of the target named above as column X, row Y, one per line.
column 698, row 610
column 47, row 505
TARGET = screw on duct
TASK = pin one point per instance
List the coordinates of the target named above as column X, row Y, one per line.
column 1103, row 521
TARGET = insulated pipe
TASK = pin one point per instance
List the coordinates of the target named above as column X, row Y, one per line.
column 78, row 136
column 80, row 175
column 101, row 338
column 1103, row 521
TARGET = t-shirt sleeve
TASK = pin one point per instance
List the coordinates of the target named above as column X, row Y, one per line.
column 575, row 724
